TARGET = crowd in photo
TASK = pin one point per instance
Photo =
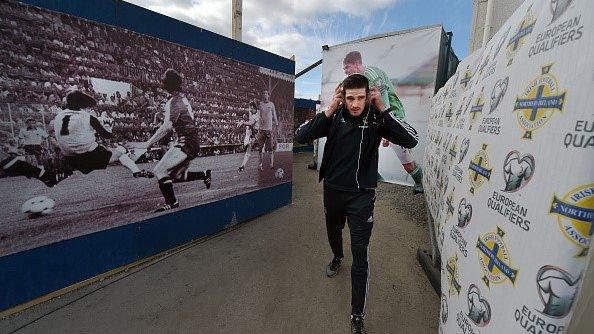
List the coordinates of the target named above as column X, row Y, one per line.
column 46, row 55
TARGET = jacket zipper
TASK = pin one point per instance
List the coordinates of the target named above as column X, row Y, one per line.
column 359, row 157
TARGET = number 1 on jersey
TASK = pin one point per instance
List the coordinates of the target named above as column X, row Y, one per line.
column 64, row 130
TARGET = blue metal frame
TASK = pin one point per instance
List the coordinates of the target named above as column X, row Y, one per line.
column 36, row 272
column 306, row 103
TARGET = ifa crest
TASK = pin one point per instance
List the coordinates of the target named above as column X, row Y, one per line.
column 453, row 275
column 494, row 258
column 575, row 215
column 517, row 170
column 501, row 42
column 539, row 101
column 484, row 62
column 477, row 109
column 450, row 204
column 462, row 111
column 479, row 170
column 519, row 37
column 465, row 81
column 453, row 151
column 448, row 115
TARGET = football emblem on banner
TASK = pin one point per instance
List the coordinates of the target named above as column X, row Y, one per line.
column 498, row 93
column 575, row 215
column 464, row 213
column 463, row 149
column 479, row 169
column 495, row 259
column 444, row 309
column 557, row 290
column 535, row 107
column 517, row 170
column 479, row 309
column 518, row 39
column 558, row 7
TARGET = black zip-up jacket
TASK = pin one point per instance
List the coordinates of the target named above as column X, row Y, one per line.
column 374, row 125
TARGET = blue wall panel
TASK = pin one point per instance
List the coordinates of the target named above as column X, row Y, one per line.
column 36, row 272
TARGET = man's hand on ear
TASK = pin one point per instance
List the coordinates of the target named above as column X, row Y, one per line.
column 337, row 101
column 376, row 99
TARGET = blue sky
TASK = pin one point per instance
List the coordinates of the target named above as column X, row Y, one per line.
column 301, row 27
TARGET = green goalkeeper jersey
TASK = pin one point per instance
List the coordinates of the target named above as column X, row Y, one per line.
column 379, row 79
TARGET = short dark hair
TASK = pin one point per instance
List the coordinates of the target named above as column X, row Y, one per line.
column 253, row 104
column 172, row 80
column 352, row 57
column 77, row 100
column 354, row 81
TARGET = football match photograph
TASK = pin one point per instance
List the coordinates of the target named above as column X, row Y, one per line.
column 102, row 127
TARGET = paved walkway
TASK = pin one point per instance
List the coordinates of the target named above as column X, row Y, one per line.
column 267, row 276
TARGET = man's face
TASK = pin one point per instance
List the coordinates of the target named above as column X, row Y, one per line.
column 355, row 99
column 352, row 68
column 266, row 95
column 30, row 124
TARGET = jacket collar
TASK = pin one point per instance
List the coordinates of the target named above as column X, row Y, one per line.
column 357, row 120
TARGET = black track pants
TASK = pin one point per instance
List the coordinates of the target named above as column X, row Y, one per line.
column 355, row 208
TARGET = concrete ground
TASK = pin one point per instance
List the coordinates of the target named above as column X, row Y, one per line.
column 267, row 276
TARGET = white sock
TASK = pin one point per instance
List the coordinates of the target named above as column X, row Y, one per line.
column 271, row 158
column 246, row 157
column 128, row 163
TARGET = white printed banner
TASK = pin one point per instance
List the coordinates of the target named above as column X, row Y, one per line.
column 408, row 60
column 509, row 174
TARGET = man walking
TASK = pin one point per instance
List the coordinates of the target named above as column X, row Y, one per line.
column 354, row 123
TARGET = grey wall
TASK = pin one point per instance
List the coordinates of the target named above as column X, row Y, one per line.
column 502, row 10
